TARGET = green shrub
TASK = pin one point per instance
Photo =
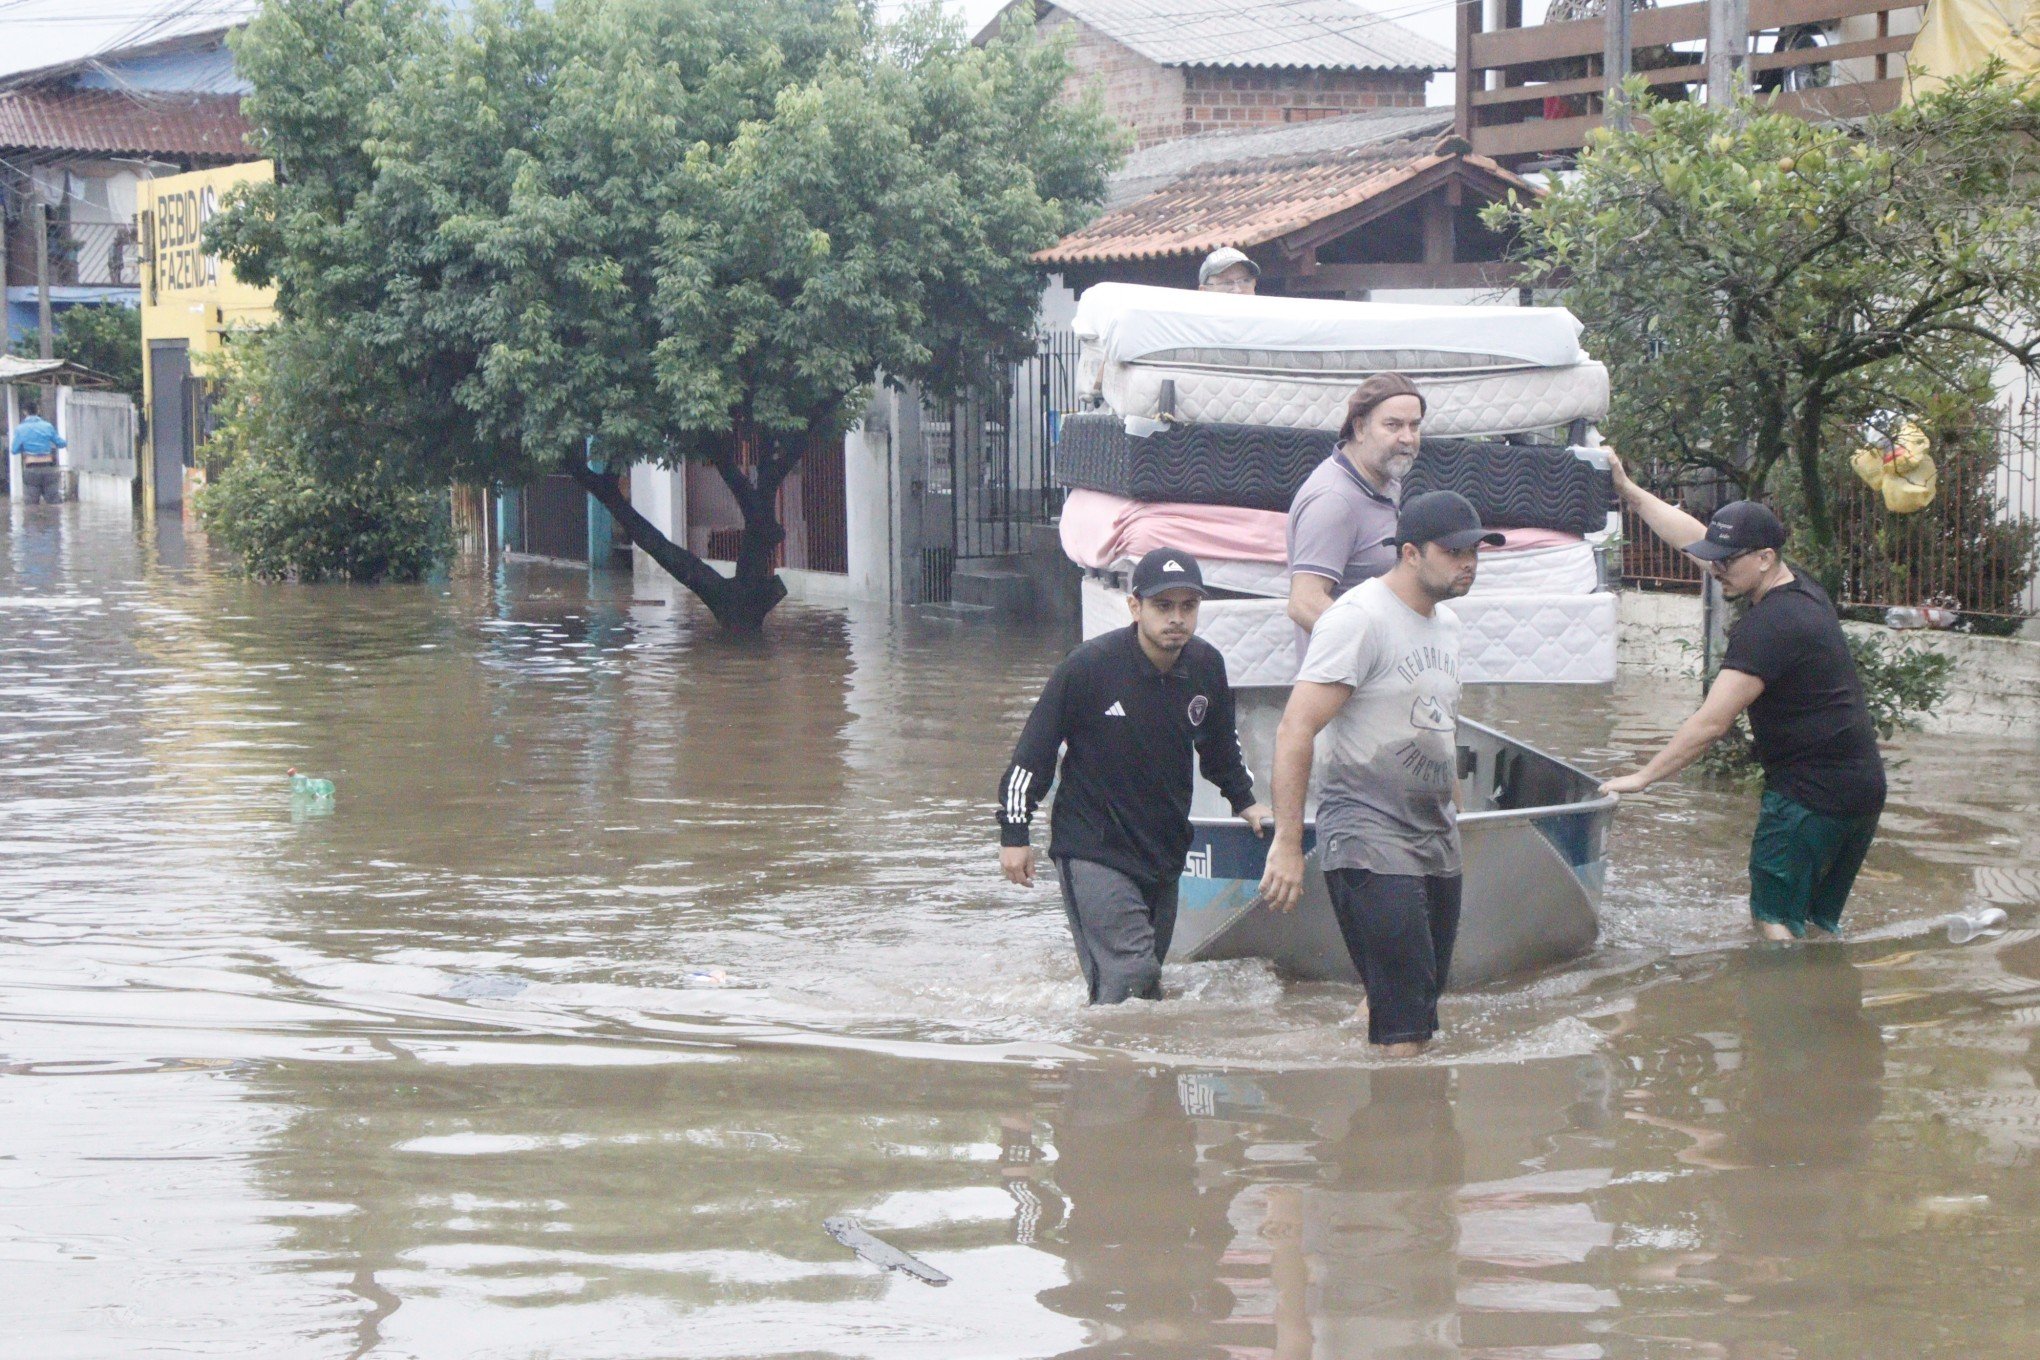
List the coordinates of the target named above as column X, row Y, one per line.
column 296, row 492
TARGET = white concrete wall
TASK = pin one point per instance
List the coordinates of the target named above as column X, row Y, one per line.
column 867, row 504
column 1995, row 688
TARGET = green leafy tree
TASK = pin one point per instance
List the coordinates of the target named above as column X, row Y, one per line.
column 657, row 229
column 297, row 489
column 104, row 337
column 1761, row 286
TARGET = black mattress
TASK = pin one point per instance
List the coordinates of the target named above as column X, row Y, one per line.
column 1252, row 467
column 1256, row 467
column 1517, row 486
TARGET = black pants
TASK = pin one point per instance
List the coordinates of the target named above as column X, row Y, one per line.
column 1121, row 928
column 45, row 483
column 1399, row 928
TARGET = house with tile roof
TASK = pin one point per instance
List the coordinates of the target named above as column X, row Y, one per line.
column 1177, row 68
column 1347, row 207
column 81, row 136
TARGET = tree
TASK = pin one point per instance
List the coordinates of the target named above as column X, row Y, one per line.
column 104, row 337
column 654, row 229
column 296, row 488
column 1760, row 286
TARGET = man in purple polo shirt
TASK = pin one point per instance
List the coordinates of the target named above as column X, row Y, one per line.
column 1342, row 522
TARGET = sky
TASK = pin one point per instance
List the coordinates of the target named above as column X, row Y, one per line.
column 42, row 32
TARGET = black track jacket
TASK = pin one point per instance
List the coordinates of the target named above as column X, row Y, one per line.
column 1124, row 800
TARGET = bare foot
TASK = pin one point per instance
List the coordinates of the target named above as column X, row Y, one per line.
column 1771, row 930
column 1403, row 1050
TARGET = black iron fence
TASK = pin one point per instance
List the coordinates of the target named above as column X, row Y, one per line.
column 1974, row 549
column 991, row 461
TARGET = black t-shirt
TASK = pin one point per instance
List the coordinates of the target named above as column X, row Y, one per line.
column 1814, row 736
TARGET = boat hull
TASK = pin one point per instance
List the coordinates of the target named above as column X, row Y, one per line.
column 1532, row 844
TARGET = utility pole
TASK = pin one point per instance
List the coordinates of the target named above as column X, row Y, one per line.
column 1728, row 50
column 39, row 223
column 1615, row 63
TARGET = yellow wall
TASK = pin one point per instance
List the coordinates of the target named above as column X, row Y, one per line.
column 187, row 294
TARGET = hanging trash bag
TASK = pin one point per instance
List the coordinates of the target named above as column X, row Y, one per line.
column 1903, row 474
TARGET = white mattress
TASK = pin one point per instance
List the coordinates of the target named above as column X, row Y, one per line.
column 1476, row 402
column 1124, row 321
column 1505, row 639
column 1561, row 569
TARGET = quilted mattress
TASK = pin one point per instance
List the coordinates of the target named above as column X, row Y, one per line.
column 1470, row 402
column 1505, row 639
column 1251, row 467
column 1518, row 486
column 1559, row 569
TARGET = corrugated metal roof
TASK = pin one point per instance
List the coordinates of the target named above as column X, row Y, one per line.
column 115, row 122
column 1312, row 34
column 1250, row 202
column 1153, row 167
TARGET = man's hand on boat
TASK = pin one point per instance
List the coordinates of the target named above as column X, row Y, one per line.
column 1260, row 817
column 1018, row 863
column 1282, row 880
column 1627, row 783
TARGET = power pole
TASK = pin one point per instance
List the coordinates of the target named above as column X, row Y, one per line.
column 1615, row 63
column 1728, row 50
column 39, row 223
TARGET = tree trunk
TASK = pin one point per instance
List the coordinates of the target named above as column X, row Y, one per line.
column 739, row 603
column 1806, row 451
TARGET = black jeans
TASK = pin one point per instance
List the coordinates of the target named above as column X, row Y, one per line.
column 42, row 483
column 1399, row 928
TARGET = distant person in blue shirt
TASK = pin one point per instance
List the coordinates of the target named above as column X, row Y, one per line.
column 37, row 441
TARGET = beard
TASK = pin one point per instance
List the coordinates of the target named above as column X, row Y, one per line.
column 1399, row 465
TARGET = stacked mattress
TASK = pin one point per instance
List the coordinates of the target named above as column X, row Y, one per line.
column 1211, row 409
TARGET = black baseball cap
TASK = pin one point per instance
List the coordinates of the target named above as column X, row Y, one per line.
column 1739, row 527
column 1166, row 569
column 1445, row 518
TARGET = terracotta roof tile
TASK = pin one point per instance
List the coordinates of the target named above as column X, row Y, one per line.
column 117, row 122
column 1248, row 203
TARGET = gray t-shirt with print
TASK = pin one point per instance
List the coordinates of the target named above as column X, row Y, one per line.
column 1387, row 760
column 1339, row 527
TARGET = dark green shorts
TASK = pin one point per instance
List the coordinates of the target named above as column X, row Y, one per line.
column 1803, row 863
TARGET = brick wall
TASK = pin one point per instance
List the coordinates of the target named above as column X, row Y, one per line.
column 1223, row 99
column 1138, row 93
column 1161, row 102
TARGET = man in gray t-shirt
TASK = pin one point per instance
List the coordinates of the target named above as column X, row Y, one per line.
column 1342, row 519
column 1378, row 703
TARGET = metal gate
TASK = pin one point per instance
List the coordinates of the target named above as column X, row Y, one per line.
column 991, row 461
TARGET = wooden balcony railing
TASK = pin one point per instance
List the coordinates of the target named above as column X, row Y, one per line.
column 1528, row 93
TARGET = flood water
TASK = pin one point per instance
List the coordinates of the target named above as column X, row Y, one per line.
column 627, row 953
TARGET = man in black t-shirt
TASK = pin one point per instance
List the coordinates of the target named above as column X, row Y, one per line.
column 1788, row 665
column 1122, row 715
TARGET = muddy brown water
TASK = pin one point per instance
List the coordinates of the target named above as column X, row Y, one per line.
column 628, row 953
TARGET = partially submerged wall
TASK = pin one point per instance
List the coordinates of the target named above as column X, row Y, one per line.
column 1995, row 687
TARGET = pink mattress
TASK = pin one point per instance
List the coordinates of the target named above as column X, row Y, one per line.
column 1099, row 529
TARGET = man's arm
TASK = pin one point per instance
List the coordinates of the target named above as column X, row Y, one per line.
column 1311, row 705
column 1310, row 595
column 1221, row 758
column 1026, row 781
column 1666, row 520
column 1733, row 692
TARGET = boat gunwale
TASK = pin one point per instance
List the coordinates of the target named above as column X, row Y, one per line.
column 1600, row 802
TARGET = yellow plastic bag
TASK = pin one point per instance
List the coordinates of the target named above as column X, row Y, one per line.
column 1907, row 492
column 1908, row 450
column 1869, row 465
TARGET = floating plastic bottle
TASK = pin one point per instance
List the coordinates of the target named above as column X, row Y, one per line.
column 307, row 786
column 1905, row 616
column 1965, row 926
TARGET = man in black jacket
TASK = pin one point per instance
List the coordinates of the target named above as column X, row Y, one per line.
column 1124, row 711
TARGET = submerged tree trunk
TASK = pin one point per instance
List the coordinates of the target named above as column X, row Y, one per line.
column 739, row 603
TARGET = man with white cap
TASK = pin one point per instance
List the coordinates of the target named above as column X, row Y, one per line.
column 1122, row 714
column 1226, row 270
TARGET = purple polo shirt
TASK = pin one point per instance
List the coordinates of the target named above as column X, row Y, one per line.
column 1339, row 528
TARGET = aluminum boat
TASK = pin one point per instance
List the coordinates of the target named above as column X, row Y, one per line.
column 1531, row 829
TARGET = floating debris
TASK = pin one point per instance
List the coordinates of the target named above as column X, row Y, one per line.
column 883, row 1255
column 1965, row 926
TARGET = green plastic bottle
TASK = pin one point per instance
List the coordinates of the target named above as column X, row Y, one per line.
column 309, row 787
